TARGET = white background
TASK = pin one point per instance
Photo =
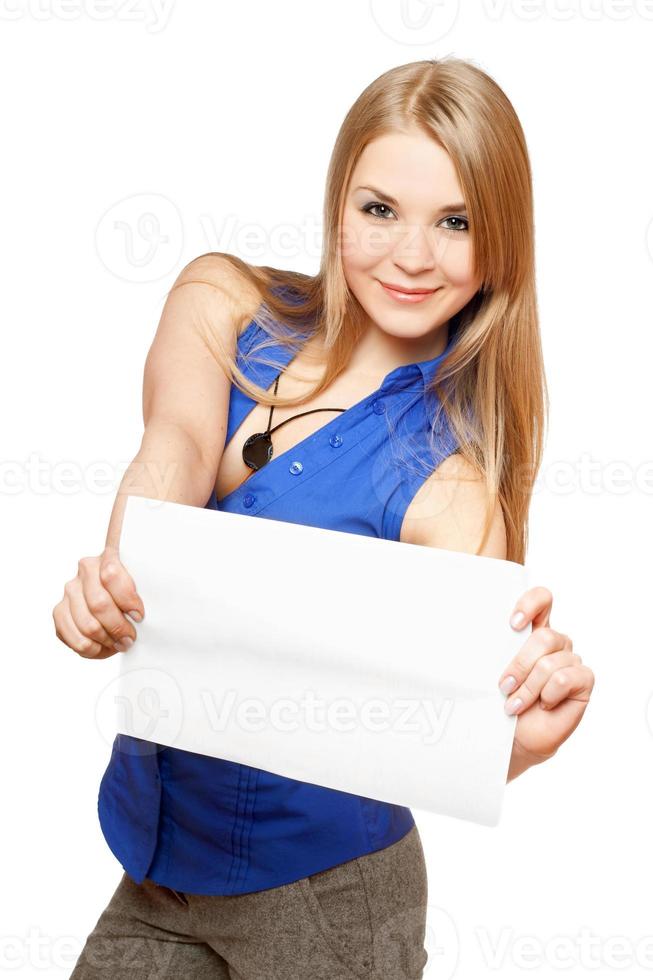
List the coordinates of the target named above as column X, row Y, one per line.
column 217, row 121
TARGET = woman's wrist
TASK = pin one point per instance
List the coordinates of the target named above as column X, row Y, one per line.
column 521, row 760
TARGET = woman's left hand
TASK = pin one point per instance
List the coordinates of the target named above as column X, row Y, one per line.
column 551, row 688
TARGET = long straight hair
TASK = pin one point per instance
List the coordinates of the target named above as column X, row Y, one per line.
column 491, row 385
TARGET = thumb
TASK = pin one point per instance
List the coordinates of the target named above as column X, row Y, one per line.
column 120, row 584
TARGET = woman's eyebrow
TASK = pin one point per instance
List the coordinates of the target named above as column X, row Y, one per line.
column 457, row 206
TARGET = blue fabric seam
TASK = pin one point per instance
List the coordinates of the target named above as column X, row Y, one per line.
column 234, row 826
column 241, row 829
column 248, row 822
column 251, row 817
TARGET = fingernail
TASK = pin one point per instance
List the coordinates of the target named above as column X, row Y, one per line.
column 517, row 619
column 124, row 643
column 134, row 613
column 511, row 706
column 508, row 684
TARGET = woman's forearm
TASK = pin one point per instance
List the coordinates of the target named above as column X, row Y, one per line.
column 520, row 761
column 168, row 466
column 518, row 764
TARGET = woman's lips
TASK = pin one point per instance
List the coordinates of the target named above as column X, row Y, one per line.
column 402, row 297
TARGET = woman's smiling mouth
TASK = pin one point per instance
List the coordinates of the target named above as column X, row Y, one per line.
column 406, row 295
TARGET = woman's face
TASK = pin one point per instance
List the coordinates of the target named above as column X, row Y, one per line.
column 405, row 224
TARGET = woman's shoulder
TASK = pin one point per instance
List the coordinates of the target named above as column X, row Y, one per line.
column 220, row 271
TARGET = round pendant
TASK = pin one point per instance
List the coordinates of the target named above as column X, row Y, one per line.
column 257, row 450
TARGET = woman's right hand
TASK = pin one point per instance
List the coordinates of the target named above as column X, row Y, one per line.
column 90, row 619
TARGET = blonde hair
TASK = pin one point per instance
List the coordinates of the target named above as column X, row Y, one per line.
column 491, row 385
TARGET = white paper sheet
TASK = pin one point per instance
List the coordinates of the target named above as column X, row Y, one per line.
column 357, row 663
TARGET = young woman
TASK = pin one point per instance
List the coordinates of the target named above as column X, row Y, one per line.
column 397, row 393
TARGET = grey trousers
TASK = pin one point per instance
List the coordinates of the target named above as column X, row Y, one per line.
column 364, row 918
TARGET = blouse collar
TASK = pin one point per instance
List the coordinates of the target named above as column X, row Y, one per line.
column 421, row 372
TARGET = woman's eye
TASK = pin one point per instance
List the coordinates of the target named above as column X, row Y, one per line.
column 458, row 220
column 369, row 209
column 458, row 223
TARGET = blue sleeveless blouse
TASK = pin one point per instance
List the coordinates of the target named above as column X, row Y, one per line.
column 213, row 827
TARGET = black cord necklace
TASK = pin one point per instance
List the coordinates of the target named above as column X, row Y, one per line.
column 257, row 449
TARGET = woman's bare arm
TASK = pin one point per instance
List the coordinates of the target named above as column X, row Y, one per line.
column 185, row 411
column 185, row 392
